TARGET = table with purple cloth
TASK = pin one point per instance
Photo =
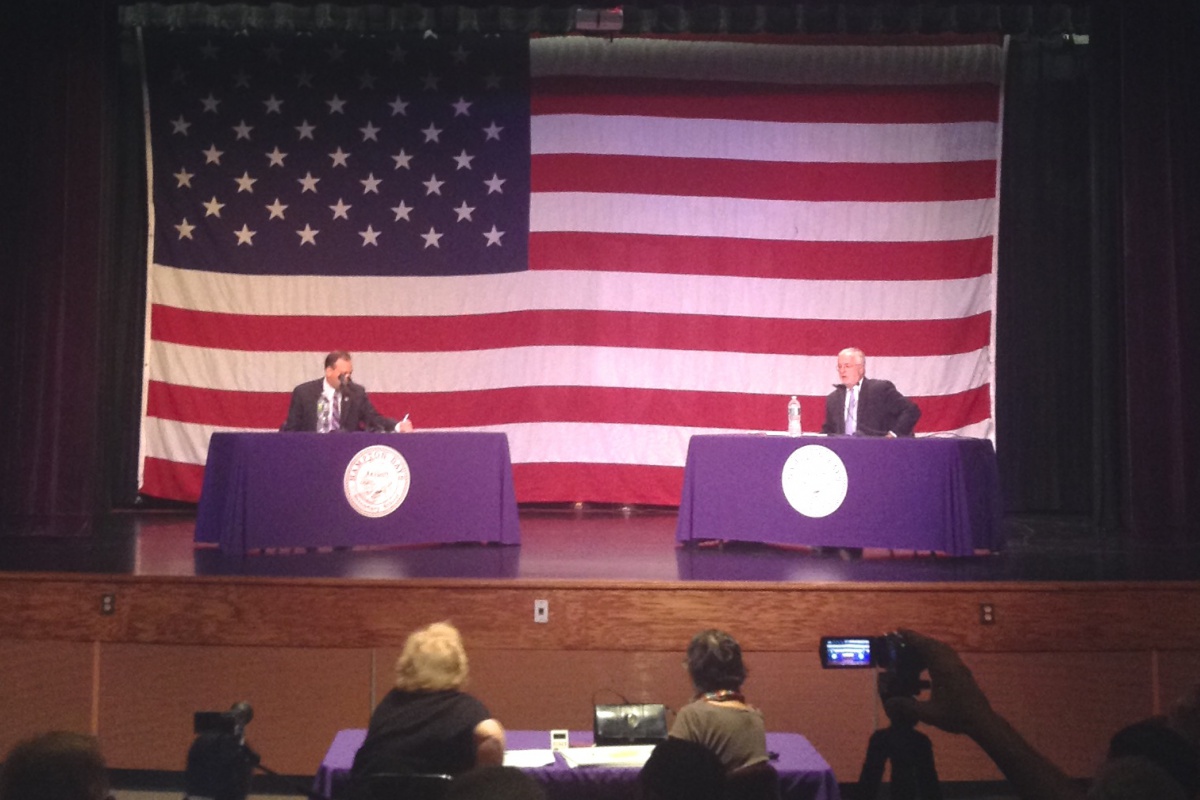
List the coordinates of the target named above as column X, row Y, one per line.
column 803, row 773
column 284, row 490
column 923, row 494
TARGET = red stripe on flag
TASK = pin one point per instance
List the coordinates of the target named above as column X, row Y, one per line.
column 766, row 102
column 753, row 258
column 497, row 407
column 172, row 480
column 767, row 180
column 600, row 483
column 570, row 328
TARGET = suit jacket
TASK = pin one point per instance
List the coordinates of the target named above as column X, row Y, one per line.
column 357, row 412
column 881, row 409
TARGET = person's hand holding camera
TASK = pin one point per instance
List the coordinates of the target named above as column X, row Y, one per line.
column 956, row 703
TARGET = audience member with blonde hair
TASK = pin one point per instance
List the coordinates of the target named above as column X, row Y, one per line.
column 427, row 723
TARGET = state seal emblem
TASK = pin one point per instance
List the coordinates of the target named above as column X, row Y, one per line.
column 376, row 481
column 814, row 480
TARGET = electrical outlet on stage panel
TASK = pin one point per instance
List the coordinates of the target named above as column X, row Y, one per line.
column 541, row 610
column 987, row 614
column 108, row 604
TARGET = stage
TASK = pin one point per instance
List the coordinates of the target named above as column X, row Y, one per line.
column 588, row 542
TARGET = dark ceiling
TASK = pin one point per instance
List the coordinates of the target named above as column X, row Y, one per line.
column 1036, row 17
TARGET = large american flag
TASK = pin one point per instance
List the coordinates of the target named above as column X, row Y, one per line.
column 598, row 246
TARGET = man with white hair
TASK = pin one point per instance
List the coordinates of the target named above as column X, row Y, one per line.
column 865, row 406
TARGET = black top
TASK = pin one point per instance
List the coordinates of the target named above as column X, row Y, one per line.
column 426, row 732
column 357, row 412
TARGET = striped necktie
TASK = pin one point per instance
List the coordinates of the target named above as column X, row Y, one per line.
column 852, row 411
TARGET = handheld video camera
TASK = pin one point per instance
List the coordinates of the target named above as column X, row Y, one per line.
column 901, row 664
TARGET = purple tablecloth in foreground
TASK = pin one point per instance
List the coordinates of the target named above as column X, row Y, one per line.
column 271, row 490
column 908, row 494
column 803, row 773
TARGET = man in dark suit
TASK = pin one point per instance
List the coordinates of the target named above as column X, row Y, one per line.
column 866, row 406
column 336, row 403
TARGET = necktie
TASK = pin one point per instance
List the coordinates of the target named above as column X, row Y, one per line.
column 852, row 411
column 335, row 418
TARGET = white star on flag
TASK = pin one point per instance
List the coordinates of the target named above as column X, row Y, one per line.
column 494, row 184
column 432, row 238
column 371, row 184
column 493, row 237
column 246, row 183
column 433, row 185
column 308, row 235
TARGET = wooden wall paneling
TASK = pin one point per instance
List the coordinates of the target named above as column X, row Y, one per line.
column 301, row 698
column 1179, row 674
column 1066, row 705
column 44, row 686
column 596, row 615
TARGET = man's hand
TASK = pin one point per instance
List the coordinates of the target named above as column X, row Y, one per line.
column 956, row 703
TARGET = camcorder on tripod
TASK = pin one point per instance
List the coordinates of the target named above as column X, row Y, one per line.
column 219, row 763
column 914, row 774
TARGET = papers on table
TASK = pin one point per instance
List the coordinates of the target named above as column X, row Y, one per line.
column 528, row 759
column 627, row 755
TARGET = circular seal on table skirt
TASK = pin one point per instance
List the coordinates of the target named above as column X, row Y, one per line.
column 376, row 481
column 814, row 480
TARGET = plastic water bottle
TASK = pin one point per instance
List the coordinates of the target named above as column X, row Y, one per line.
column 793, row 427
column 322, row 415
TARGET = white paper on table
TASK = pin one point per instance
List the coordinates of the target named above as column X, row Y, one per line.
column 528, row 759
column 624, row 755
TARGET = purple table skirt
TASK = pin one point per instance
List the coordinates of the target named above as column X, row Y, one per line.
column 803, row 773
column 906, row 494
column 280, row 490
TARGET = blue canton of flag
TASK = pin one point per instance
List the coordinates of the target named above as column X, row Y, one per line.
column 317, row 155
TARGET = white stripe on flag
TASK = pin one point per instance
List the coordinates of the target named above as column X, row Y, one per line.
column 779, row 220
column 635, row 368
column 739, row 140
column 762, row 298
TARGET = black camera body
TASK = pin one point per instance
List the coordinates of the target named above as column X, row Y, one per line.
column 901, row 664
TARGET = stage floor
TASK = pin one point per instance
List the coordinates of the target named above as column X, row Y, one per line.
column 589, row 543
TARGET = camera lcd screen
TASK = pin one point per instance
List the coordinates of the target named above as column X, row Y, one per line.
column 845, row 652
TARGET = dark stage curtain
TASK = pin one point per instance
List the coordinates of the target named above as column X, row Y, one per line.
column 62, row 311
column 1160, row 128
column 1096, row 301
